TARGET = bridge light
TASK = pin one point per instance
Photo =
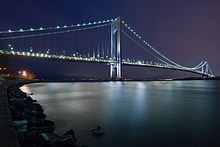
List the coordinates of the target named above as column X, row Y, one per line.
column 9, row 30
column 31, row 29
column 58, row 27
column 84, row 24
column 78, row 24
column 65, row 26
column 21, row 30
column 41, row 28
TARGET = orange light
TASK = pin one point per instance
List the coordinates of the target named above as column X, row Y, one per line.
column 24, row 73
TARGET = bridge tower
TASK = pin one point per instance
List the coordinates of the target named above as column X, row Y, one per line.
column 116, row 50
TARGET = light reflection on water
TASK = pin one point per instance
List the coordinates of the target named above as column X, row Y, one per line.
column 172, row 113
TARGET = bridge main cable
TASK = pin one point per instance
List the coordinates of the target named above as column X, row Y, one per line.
column 152, row 48
column 51, row 33
column 57, row 27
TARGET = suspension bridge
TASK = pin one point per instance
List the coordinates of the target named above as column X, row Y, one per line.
column 112, row 42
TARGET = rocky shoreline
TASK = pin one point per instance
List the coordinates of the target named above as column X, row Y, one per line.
column 30, row 123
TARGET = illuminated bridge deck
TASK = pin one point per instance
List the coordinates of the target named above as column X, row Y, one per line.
column 83, row 59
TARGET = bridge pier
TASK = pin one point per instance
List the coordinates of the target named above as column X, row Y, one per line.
column 116, row 50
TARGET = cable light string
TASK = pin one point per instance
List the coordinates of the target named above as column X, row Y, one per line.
column 199, row 65
column 145, row 42
column 203, row 63
column 52, row 33
column 57, row 27
column 148, row 44
column 211, row 71
column 143, row 47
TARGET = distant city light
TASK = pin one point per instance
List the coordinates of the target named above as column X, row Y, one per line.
column 24, row 73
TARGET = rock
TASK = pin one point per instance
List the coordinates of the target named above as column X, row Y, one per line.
column 66, row 141
column 48, row 126
column 21, row 126
column 71, row 133
column 30, row 99
column 30, row 124
column 21, row 122
column 30, row 94
column 97, row 131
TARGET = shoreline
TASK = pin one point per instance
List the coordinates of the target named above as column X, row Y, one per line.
column 27, row 125
column 8, row 136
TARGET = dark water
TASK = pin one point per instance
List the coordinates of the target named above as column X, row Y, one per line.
column 173, row 113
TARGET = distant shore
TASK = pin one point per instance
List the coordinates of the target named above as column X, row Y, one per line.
column 128, row 80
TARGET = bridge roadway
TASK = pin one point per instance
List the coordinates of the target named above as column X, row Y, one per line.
column 43, row 56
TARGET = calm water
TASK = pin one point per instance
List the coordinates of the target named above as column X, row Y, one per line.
column 173, row 113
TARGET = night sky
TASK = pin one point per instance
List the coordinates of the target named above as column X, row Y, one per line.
column 186, row 31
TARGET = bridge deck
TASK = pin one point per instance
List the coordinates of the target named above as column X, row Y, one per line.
column 66, row 58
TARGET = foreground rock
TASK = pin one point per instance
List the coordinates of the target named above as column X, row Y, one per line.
column 32, row 127
column 98, row 131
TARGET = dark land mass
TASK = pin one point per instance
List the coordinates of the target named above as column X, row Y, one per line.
column 199, row 78
column 128, row 80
